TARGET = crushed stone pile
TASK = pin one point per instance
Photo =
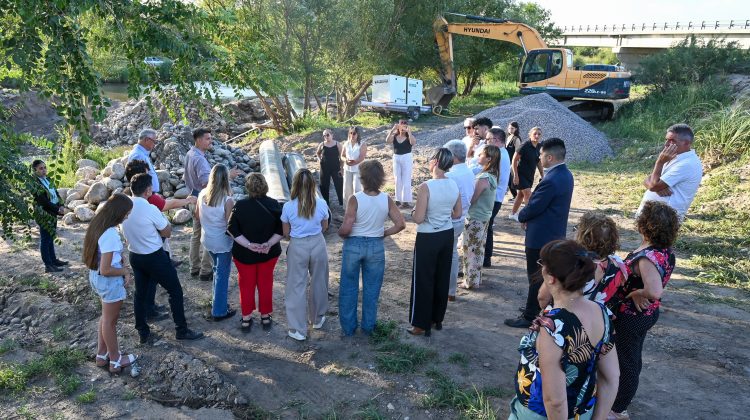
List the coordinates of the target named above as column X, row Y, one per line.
column 583, row 142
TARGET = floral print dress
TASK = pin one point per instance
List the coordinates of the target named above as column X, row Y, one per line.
column 578, row 361
column 663, row 259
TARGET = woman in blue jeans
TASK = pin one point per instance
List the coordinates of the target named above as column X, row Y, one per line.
column 363, row 231
column 215, row 205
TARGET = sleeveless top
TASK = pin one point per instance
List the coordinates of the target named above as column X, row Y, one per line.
column 214, row 226
column 481, row 210
column 352, row 153
column 578, row 361
column 663, row 259
column 615, row 273
column 401, row 147
column 330, row 155
column 371, row 214
column 443, row 196
column 512, row 142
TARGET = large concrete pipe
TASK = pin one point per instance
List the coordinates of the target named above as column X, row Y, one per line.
column 272, row 168
column 293, row 162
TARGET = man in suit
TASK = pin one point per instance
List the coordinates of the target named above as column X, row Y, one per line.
column 545, row 219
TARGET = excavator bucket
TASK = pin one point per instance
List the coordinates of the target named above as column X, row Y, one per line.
column 440, row 95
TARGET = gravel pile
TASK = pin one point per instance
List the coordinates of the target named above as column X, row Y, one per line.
column 582, row 141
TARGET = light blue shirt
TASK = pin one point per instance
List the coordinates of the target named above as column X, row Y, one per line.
column 140, row 153
column 301, row 227
column 197, row 170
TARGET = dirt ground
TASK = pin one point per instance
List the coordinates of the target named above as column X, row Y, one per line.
column 695, row 361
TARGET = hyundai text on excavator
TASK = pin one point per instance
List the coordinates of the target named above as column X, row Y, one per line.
column 544, row 70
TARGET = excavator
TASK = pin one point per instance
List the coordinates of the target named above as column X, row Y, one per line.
column 596, row 88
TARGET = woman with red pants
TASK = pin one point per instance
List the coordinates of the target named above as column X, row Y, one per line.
column 255, row 224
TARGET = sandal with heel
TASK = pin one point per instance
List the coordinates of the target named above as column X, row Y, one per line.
column 105, row 358
column 266, row 322
column 116, row 366
column 246, row 325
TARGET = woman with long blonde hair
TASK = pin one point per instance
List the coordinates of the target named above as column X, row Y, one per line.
column 480, row 211
column 524, row 162
column 102, row 254
column 215, row 205
column 304, row 218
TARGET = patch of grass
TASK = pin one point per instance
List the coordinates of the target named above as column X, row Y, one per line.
column 472, row 403
column 384, row 331
column 484, row 96
column 369, row 411
column 87, row 397
column 102, row 156
column 60, row 333
column 374, row 119
column 128, row 395
column 40, row 283
column 459, row 359
column 57, row 363
column 724, row 136
column 68, row 384
column 7, row 345
column 393, row 355
column 25, row 412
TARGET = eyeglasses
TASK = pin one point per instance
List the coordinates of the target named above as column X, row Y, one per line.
column 326, row 135
column 539, row 261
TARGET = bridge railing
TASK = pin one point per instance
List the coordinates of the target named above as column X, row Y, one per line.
column 702, row 26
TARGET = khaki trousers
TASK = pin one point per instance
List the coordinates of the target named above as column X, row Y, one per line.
column 200, row 261
column 307, row 263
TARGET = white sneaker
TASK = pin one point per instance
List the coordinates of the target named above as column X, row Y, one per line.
column 296, row 335
column 319, row 325
column 513, row 216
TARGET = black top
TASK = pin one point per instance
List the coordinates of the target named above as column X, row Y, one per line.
column 257, row 219
column 529, row 159
column 330, row 156
column 44, row 208
column 401, row 147
column 511, row 146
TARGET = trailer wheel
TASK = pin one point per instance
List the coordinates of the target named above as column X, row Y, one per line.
column 413, row 114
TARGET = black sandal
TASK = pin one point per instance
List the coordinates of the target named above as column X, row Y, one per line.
column 266, row 322
column 246, row 325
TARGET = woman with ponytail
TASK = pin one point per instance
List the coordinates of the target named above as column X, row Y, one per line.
column 570, row 344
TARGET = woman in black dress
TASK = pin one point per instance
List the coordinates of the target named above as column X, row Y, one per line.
column 513, row 143
column 330, row 167
column 524, row 163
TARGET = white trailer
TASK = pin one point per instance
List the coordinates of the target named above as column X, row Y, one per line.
column 392, row 93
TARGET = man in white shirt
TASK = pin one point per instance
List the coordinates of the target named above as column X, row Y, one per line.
column 481, row 127
column 468, row 133
column 144, row 229
column 677, row 172
column 464, row 178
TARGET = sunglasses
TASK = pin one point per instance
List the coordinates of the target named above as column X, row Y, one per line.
column 326, row 135
column 468, row 128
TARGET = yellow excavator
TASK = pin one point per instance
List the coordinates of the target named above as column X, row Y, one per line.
column 544, row 70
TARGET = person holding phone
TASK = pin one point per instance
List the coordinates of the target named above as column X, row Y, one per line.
column 403, row 140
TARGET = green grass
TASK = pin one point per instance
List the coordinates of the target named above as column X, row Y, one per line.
column 369, row 411
column 60, row 333
column 459, row 359
column 471, row 403
column 87, row 397
column 724, row 136
column 393, row 356
column 483, row 97
column 7, row 345
column 40, row 284
column 55, row 363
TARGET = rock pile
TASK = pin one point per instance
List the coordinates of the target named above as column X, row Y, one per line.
column 582, row 141
column 185, row 377
column 122, row 125
column 94, row 186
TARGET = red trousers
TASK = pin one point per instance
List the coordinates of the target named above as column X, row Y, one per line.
column 252, row 276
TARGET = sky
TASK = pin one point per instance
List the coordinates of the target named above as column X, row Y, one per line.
column 583, row 12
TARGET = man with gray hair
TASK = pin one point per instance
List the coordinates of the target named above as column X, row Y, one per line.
column 677, row 172
column 142, row 151
column 464, row 178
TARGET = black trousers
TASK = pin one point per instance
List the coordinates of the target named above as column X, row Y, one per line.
column 535, row 283
column 328, row 172
column 430, row 277
column 511, row 187
column 630, row 333
column 156, row 268
column 489, row 244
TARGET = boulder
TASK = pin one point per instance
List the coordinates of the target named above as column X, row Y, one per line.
column 112, row 184
column 75, row 203
column 87, row 172
column 69, row 219
column 63, row 194
column 182, row 193
column 87, row 163
column 163, row 175
column 83, row 213
column 118, row 171
column 182, row 216
column 98, row 193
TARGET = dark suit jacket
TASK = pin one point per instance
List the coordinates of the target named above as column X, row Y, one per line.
column 546, row 214
column 44, row 208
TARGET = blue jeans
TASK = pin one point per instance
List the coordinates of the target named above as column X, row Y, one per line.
column 47, row 244
column 222, row 267
column 368, row 255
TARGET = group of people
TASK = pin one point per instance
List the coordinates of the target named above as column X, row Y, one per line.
column 598, row 308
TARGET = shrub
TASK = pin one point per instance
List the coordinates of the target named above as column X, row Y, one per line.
column 693, row 60
column 724, row 135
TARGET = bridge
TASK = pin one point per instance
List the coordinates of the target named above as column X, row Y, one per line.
column 632, row 42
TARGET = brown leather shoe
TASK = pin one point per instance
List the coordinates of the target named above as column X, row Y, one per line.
column 451, row 298
column 418, row 331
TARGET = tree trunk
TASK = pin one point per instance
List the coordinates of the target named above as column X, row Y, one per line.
column 350, row 106
column 270, row 112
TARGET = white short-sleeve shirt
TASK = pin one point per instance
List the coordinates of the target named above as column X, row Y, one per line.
column 464, row 179
column 301, row 227
column 142, row 227
column 110, row 242
column 683, row 175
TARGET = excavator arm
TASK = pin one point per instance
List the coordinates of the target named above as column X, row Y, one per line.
column 499, row 29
